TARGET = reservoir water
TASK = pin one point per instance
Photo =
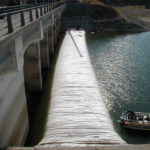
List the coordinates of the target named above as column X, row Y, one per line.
column 122, row 66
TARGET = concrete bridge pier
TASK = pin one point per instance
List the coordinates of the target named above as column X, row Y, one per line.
column 57, row 27
column 24, row 51
column 32, row 67
column 13, row 109
column 44, row 49
column 51, row 39
column 59, row 22
column 55, row 30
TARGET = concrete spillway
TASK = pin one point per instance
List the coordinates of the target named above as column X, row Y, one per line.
column 77, row 115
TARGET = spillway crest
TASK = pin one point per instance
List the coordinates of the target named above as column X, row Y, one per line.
column 77, row 114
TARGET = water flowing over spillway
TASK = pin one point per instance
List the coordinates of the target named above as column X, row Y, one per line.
column 77, row 114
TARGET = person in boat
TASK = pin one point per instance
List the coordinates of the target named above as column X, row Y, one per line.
column 131, row 114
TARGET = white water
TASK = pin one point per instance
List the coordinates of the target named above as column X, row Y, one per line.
column 77, row 114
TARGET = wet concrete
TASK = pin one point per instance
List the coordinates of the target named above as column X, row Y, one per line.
column 77, row 115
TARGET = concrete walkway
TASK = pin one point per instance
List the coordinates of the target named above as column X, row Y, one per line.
column 114, row 147
column 77, row 115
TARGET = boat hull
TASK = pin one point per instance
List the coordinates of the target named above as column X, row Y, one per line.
column 136, row 120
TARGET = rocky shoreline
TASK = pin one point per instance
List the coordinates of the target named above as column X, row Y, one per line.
column 120, row 25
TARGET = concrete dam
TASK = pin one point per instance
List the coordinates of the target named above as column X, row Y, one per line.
column 27, row 38
column 77, row 116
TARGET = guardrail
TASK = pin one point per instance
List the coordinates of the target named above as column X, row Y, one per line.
column 6, row 9
column 14, row 19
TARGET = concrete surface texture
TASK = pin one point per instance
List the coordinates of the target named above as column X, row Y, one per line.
column 98, row 147
column 13, row 110
column 77, row 115
column 20, row 62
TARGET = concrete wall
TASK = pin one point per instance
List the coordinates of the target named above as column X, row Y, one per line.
column 44, row 47
column 13, row 109
column 23, row 54
column 99, row 147
column 51, row 39
column 32, row 67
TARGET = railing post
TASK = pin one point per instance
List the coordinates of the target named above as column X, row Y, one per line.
column 37, row 13
column 41, row 11
column 30, row 13
column 9, row 23
column 22, row 18
column 44, row 10
column 47, row 9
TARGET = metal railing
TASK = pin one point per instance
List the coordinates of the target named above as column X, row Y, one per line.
column 6, row 9
column 12, row 20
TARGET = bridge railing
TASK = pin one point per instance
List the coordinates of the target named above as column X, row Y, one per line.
column 10, row 21
column 6, row 9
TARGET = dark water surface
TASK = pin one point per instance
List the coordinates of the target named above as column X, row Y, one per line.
column 122, row 66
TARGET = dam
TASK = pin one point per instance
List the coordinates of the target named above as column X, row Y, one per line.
column 77, row 117
column 27, row 39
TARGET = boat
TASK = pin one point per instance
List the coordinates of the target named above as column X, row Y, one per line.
column 135, row 120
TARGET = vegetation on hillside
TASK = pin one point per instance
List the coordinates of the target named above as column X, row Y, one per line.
column 102, row 12
column 93, row 10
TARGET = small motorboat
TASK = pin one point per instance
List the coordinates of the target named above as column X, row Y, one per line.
column 135, row 120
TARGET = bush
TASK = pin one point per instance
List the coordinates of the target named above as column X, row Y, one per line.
column 103, row 12
column 147, row 6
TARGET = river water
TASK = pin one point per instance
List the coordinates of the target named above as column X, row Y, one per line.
column 122, row 66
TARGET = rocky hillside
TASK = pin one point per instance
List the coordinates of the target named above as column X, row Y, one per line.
column 93, row 15
column 93, row 8
column 101, row 12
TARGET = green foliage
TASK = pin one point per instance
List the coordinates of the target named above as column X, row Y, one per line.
column 93, row 11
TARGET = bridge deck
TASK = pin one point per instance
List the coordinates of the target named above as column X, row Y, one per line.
column 77, row 115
